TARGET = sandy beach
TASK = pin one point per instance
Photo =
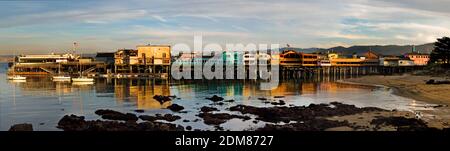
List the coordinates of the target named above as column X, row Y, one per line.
column 415, row 87
column 411, row 86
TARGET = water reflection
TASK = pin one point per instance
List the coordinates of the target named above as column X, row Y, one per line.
column 141, row 91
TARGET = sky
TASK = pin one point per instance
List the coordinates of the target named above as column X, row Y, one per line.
column 44, row 26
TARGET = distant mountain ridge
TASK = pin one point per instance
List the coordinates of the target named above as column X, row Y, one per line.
column 380, row 49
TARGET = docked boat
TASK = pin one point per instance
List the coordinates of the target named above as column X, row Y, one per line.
column 16, row 77
column 61, row 78
column 82, row 79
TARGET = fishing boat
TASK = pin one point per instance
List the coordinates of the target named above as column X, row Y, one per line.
column 60, row 77
column 81, row 78
column 16, row 77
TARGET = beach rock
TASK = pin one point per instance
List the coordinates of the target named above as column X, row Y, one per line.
column 188, row 128
column 401, row 123
column 431, row 81
column 215, row 98
column 219, row 118
column 166, row 117
column 139, row 111
column 161, row 99
column 115, row 115
column 310, row 125
column 175, row 107
column 277, row 97
column 208, row 109
column 21, row 127
column 77, row 123
column 263, row 99
column 186, row 121
column 72, row 122
column 229, row 101
column 281, row 102
column 300, row 113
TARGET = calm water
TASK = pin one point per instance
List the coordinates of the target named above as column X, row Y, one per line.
column 41, row 102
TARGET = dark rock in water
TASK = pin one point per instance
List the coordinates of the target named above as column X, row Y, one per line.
column 279, row 114
column 219, row 103
column 402, row 123
column 73, row 123
column 255, row 121
column 21, row 127
column 166, row 117
column 431, row 81
column 188, row 128
column 186, row 121
column 281, row 102
column 263, row 99
column 277, row 97
column 310, row 125
column 41, row 123
column 139, row 111
column 215, row 98
column 114, row 115
column 175, row 107
column 77, row 123
column 218, row 128
column 196, row 120
column 229, row 101
column 161, row 99
column 219, row 118
column 208, row 109
column 180, row 128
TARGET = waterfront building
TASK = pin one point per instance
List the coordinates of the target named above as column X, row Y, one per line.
column 405, row 62
column 154, row 54
column 52, row 64
column 309, row 60
column 420, row 59
column 290, row 58
column 389, row 61
column 250, row 58
column 146, row 59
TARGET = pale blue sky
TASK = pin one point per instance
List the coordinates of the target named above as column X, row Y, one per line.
column 44, row 26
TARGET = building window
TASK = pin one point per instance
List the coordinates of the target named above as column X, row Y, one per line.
column 164, row 55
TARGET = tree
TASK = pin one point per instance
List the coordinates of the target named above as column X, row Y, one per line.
column 441, row 52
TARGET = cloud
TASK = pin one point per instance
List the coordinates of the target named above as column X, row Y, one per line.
column 305, row 23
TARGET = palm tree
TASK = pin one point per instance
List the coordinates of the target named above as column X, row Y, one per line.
column 441, row 52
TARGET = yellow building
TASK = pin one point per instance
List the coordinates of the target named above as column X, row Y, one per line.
column 154, row 54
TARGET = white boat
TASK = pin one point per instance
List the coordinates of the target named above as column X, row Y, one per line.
column 16, row 77
column 61, row 78
column 82, row 79
column 82, row 83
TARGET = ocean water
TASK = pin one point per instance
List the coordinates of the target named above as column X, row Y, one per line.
column 43, row 103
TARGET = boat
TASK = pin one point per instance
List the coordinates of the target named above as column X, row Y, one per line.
column 82, row 79
column 61, row 77
column 16, row 77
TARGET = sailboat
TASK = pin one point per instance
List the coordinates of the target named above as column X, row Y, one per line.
column 14, row 76
column 81, row 78
column 60, row 77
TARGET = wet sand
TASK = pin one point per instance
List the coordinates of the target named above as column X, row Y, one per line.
column 411, row 86
column 414, row 87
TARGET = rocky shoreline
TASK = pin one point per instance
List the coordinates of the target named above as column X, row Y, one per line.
column 334, row 116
